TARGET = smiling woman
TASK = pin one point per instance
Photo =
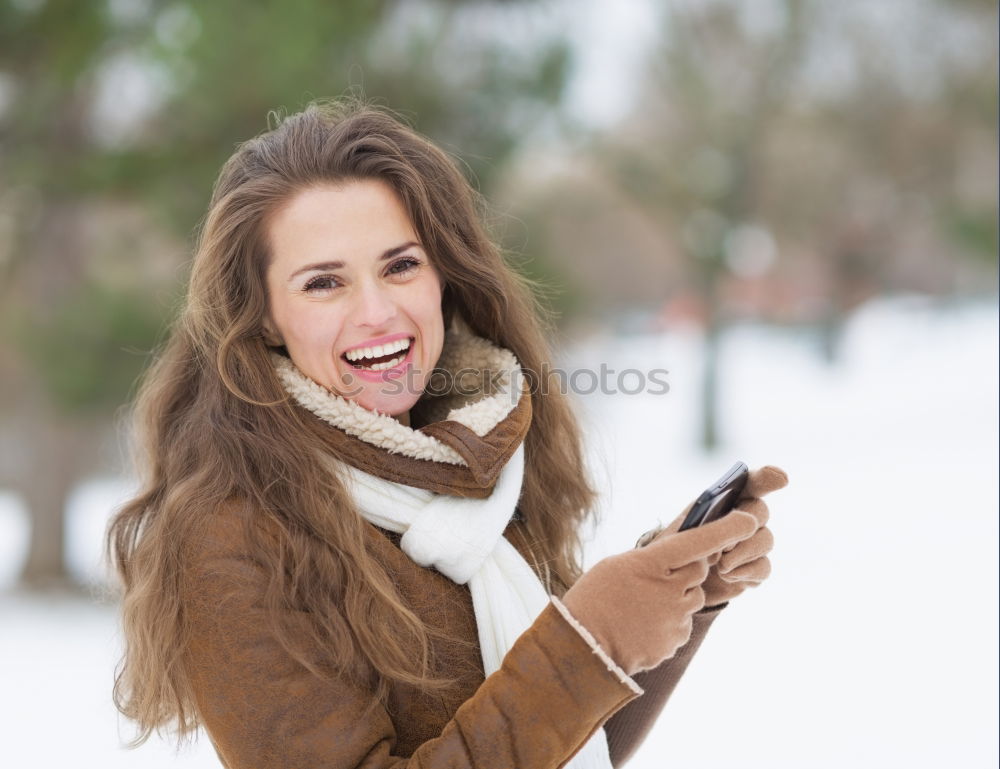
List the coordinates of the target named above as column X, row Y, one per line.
column 354, row 298
column 332, row 563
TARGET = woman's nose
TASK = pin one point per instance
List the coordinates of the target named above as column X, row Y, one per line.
column 374, row 305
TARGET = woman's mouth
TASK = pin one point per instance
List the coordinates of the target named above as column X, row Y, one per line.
column 380, row 357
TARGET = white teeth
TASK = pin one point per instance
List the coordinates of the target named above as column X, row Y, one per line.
column 387, row 364
column 378, row 351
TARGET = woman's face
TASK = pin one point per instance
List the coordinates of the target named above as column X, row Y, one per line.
column 353, row 295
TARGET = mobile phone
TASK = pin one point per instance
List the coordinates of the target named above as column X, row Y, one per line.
column 718, row 499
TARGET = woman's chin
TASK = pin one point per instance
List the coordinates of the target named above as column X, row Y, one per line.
column 395, row 407
column 394, row 397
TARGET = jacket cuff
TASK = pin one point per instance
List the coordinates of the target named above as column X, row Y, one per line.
column 628, row 728
column 596, row 648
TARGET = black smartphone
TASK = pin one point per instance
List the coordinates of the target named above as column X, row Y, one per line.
column 718, row 499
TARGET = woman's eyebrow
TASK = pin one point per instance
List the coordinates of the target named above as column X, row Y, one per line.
column 337, row 265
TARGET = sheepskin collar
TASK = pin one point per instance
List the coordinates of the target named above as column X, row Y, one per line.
column 474, row 416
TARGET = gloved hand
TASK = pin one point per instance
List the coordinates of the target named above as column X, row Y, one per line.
column 638, row 604
column 745, row 564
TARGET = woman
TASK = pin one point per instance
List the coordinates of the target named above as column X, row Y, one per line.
column 362, row 502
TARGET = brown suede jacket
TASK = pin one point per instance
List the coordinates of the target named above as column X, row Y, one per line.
column 263, row 711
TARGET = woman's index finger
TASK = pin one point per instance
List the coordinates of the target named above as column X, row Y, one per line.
column 681, row 548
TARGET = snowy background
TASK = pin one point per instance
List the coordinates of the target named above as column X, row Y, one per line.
column 874, row 643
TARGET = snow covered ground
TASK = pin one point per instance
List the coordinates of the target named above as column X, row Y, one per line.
column 874, row 643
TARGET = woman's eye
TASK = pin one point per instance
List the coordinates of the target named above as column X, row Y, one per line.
column 320, row 283
column 323, row 283
column 405, row 264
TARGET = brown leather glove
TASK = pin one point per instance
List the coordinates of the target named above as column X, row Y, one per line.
column 638, row 604
column 745, row 564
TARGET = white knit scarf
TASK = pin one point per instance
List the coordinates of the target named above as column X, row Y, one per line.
column 461, row 538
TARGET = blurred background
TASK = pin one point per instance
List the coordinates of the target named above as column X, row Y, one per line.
column 789, row 205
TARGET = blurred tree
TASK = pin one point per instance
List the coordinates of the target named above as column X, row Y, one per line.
column 888, row 179
column 115, row 118
column 48, row 56
column 694, row 161
column 791, row 158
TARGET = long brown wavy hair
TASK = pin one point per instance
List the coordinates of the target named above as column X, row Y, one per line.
column 213, row 423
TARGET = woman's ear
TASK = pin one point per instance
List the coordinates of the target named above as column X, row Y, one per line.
column 447, row 307
column 271, row 336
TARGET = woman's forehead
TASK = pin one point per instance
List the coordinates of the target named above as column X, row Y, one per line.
column 349, row 223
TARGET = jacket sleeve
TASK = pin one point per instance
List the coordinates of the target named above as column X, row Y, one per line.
column 629, row 727
column 264, row 710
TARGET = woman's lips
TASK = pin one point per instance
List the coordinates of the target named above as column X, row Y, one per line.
column 395, row 372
